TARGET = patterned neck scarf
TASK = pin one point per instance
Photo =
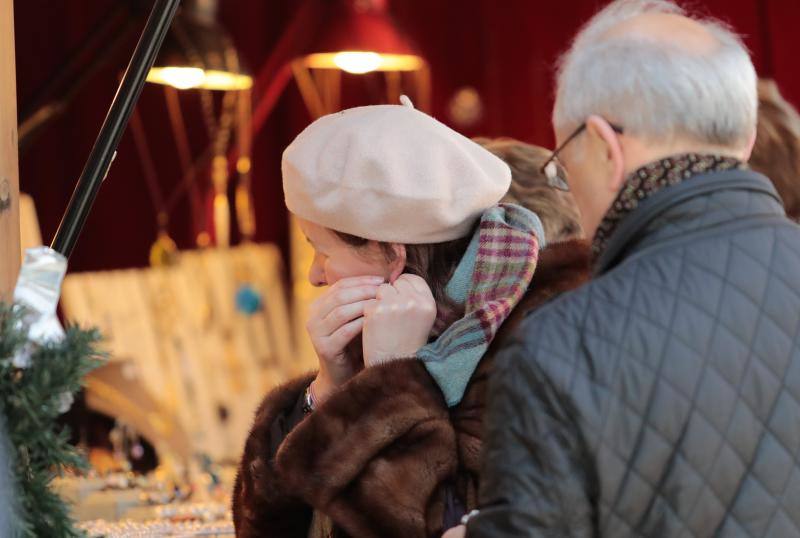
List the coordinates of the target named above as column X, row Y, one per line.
column 652, row 178
column 489, row 281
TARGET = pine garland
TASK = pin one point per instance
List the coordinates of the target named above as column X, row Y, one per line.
column 37, row 384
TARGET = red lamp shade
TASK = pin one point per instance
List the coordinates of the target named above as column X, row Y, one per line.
column 360, row 37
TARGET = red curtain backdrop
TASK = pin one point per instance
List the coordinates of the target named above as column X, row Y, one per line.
column 505, row 50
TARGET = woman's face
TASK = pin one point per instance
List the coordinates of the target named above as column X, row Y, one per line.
column 334, row 259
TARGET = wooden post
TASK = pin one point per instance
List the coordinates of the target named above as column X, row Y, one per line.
column 9, row 172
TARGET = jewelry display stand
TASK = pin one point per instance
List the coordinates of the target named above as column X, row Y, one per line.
column 179, row 333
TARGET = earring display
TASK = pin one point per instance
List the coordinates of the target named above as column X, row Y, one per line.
column 193, row 348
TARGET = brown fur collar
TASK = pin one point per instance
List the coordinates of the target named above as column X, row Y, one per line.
column 562, row 267
column 372, row 456
column 261, row 505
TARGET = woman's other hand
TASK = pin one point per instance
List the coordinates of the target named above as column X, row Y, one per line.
column 456, row 532
column 337, row 317
column 399, row 321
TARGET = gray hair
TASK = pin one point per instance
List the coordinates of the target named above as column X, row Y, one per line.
column 656, row 89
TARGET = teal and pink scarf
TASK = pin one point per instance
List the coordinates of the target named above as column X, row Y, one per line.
column 489, row 281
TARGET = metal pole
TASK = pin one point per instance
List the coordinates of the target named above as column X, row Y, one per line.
column 116, row 120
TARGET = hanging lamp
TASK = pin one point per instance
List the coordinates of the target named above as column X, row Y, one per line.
column 359, row 37
column 362, row 38
column 199, row 53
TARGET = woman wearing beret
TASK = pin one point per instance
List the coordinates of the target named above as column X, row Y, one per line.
column 422, row 265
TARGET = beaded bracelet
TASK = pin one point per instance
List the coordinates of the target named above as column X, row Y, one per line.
column 470, row 515
column 308, row 400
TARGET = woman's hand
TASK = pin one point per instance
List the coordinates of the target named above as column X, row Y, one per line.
column 456, row 532
column 337, row 317
column 399, row 321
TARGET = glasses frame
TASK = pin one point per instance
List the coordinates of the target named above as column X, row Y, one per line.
column 549, row 168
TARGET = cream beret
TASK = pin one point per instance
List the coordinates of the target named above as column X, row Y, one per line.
column 390, row 173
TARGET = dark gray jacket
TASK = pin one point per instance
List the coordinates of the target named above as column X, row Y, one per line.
column 662, row 398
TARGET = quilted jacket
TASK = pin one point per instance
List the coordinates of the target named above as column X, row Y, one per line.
column 663, row 398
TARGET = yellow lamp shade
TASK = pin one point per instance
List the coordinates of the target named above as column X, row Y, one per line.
column 199, row 53
column 360, row 62
column 185, row 77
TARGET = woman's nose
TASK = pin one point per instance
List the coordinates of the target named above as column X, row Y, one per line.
column 316, row 274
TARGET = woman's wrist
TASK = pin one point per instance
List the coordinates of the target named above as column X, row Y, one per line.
column 321, row 388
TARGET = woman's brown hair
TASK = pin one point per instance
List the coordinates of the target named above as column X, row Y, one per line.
column 530, row 189
column 776, row 153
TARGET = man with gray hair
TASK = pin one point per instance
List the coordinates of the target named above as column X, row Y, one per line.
column 662, row 398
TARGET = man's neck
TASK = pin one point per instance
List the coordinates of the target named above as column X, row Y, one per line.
column 639, row 153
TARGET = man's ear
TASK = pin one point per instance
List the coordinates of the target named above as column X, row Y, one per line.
column 399, row 263
column 613, row 158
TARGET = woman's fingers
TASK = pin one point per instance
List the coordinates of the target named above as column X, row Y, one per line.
column 416, row 290
column 415, row 282
column 404, row 287
column 345, row 334
column 456, row 532
column 398, row 322
column 370, row 306
column 334, row 321
column 336, row 297
column 341, row 315
column 350, row 282
column 385, row 291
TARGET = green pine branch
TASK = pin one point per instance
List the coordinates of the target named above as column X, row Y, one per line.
column 31, row 399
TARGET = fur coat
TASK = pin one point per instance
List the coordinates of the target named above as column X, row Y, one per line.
column 384, row 456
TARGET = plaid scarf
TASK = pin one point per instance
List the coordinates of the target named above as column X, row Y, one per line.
column 652, row 178
column 489, row 281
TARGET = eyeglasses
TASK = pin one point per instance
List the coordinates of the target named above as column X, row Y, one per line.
column 551, row 169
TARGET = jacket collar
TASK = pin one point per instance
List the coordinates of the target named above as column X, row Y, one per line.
column 652, row 178
column 638, row 229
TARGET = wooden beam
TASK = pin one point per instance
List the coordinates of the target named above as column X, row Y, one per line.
column 9, row 171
